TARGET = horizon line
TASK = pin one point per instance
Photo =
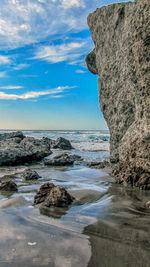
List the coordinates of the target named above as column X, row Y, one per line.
column 54, row 129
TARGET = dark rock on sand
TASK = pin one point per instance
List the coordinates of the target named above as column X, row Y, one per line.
column 51, row 195
column 99, row 165
column 8, row 185
column 62, row 143
column 30, row 175
column 121, row 59
column 6, row 136
column 62, row 160
column 17, row 149
column 43, row 192
column 59, row 197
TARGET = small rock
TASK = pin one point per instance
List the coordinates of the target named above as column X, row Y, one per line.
column 51, row 195
column 99, row 165
column 30, row 175
column 8, row 186
column 62, row 143
column 58, row 197
column 43, row 192
column 62, row 160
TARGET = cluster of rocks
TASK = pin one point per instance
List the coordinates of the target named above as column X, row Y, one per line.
column 7, row 183
column 121, row 34
column 51, row 195
column 17, row 149
column 60, row 143
column 48, row 195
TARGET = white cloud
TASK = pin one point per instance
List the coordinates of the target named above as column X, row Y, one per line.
column 72, row 3
column 10, row 87
column 53, row 93
column 21, row 66
column 26, row 22
column 3, row 74
column 29, row 76
column 71, row 52
column 80, row 71
column 4, row 60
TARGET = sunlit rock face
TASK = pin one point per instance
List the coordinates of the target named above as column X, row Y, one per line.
column 121, row 34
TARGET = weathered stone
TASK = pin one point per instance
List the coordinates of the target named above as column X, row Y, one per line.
column 43, row 192
column 62, row 160
column 51, row 195
column 62, row 143
column 99, row 165
column 8, row 185
column 121, row 34
column 6, row 136
column 30, row 175
column 18, row 149
column 59, row 197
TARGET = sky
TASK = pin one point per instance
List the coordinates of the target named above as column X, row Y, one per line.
column 44, row 81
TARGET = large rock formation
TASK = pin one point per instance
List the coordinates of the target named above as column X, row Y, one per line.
column 121, row 34
column 15, row 148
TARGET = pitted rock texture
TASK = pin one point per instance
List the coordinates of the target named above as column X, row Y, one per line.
column 51, row 195
column 30, row 175
column 121, row 34
column 8, row 185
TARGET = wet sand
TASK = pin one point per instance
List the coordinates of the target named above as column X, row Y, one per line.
column 107, row 225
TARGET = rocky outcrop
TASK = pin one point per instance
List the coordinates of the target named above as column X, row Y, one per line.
column 51, row 195
column 15, row 148
column 121, row 34
column 60, row 143
column 62, row 160
column 30, row 175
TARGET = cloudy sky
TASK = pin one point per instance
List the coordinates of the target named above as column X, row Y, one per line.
column 44, row 82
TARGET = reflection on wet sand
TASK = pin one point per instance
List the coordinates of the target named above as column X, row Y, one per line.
column 122, row 237
column 28, row 243
column 107, row 225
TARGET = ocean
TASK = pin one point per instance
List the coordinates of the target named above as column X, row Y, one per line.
column 103, row 219
column 93, row 145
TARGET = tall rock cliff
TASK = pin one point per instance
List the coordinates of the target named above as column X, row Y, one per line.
column 121, row 58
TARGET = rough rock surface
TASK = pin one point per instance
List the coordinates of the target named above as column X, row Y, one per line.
column 62, row 160
column 121, row 34
column 99, row 165
column 60, row 143
column 6, row 136
column 30, row 175
column 43, row 192
column 17, row 149
column 51, row 195
column 8, row 185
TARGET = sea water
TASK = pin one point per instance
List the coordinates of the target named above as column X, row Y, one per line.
column 107, row 226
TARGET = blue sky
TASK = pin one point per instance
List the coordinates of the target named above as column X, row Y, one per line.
column 44, row 82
